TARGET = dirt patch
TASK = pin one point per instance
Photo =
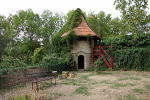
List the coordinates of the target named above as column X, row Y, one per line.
column 113, row 85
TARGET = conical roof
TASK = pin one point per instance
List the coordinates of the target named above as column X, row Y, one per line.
column 83, row 29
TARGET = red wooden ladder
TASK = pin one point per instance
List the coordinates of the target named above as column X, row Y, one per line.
column 99, row 51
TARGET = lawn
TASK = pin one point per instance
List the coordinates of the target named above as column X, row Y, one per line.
column 107, row 85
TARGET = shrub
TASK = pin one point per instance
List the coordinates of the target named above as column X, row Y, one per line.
column 130, row 52
column 9, row 62
column 38, row 55
column 133, row 58
column 98, row 65
column 53, row 62
column 52, row 59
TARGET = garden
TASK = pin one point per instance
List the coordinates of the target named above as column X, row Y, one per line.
column 106, row 85
column 29, row 40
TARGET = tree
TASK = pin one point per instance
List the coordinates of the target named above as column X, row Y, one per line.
column 68, row 15
column 23, row 30
column 3, row 37
column 101, row 24
column 133, row 14
column 117, row 27
column 51, row 24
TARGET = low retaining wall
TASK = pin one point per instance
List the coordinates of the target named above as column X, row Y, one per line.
column 15, row 77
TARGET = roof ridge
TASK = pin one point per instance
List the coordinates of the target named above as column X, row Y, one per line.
column 83, row 29
column 90, row 27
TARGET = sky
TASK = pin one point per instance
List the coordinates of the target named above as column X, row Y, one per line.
column 12, row 6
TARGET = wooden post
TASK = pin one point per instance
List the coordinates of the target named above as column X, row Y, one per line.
column 99, row 51
column 37, row 86
column 32, row 82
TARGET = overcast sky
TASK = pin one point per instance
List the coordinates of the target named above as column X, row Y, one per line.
column 11, row 6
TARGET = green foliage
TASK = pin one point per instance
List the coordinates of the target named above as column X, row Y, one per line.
column 89, row 37
column 140, row 91
column 71, row 38
column 51, row 23
column 9, row 62
column 62, row 45
column 10, row 65
column 51, row 59
column 128, row 41
column 134, row 58
column 134, row 15
column 98, row 65
column 90, row 69
column 104, row 25
column 20, row 98
column 82, row 90
column 86, row 76
column 38, row 55
column 53, row 62
column 69, row 59
column 129, row 52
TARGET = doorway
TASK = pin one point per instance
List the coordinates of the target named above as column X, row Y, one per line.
column 81, row 62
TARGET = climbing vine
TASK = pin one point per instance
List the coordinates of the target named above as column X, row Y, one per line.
column 62, row 45
column 130, row 53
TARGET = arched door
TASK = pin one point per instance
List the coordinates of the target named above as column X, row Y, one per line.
column 81, row 62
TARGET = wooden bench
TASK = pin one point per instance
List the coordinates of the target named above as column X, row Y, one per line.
column 42, row 76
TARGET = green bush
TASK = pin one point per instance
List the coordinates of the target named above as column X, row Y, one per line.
column 53, row 62
column 38, row 55
column 63, row 44
column 53, row 58
column 130, row 52
column 10, row 62
column 98, row 65
column 90, row 69
column 133, row 58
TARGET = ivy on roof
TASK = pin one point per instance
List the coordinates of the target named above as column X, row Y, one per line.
column 63, row 44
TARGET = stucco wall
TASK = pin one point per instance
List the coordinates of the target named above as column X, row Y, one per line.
column 82, row 48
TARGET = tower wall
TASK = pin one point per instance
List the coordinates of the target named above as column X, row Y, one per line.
column 82, row 48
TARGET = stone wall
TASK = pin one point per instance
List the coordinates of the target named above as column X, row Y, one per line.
column 82, row 48
column 15, row 77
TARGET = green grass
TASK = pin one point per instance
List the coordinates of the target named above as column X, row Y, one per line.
column 65, row 83
column 61, row 94
column 57, row 94
column 127, row 78
column 147, row 86
column 130, row 97
column 127, row 74
column 122, row 79
column 116, row 86
column 94, row 83
column 145, row 76
column 19, row 98
column 86, row 76
column 134, row 78
column 82, row 90
column 69, row 82
column 127, row 97
column 106, row 82
column 130, row 84
column 140, row 91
